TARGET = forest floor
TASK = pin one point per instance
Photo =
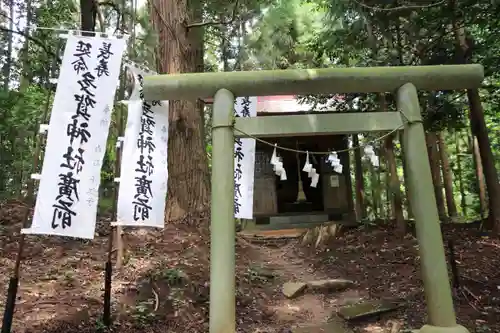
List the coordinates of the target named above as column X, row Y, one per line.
column 164, row 283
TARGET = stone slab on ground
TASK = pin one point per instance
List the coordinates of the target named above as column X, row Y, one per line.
column 329, row 285
column 293, row 289
column 272, row 234
column 366, row 309
column 263, row 271
column 324, row 328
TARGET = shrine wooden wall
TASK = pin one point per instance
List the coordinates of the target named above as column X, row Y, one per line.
column 333, row 186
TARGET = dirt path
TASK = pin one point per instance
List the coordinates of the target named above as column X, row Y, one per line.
column 307, row 309
column 61, row 281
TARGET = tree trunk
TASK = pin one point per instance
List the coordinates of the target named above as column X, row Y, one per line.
column 380, row 185
column 179, row 52
column 478, row 166
column 225, row 49
column 463, row 202
column 380, row 196
column 447, row 177
column 482, row 145
column 436, row 174
column 478, row 126
column 345, row 159
column 87, row 16
column 405, row 177
column 360, row 183
column 374, row 192
column 389, row 209
column 394, row 186
column 26, row 72
column 24, row 82
column 8, row 57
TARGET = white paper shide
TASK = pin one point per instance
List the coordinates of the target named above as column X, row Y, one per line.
column 244, row 162
column 144, row 174
column 67, row 197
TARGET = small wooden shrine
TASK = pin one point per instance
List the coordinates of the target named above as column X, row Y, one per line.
column 293, row 202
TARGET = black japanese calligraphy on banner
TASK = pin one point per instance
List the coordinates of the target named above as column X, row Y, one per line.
column 66, row 202
column 144, row 167
column 145, row 164
column 239, row 154
column 77, row 130
column 103, row 58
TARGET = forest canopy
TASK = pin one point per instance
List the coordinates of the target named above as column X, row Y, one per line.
column 462, row 126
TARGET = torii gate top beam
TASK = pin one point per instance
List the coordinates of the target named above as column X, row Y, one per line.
column 312, row 81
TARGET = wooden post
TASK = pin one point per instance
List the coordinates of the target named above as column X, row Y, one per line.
column 441, row 314
column 30, row 203
column 223, row 226
column 117, row 231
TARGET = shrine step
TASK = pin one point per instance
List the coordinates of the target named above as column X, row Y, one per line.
column 301, row 218
column 280, row 226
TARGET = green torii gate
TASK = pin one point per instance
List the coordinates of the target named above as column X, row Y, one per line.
column 403, row 80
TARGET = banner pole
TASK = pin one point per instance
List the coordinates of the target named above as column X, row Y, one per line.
column 114, row 230
column 10, row 302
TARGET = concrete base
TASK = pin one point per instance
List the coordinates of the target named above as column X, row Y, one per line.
column 436, row 329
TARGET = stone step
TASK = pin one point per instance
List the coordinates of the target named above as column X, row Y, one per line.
column 366, row 309
column 329, row 285
column 299, row 225
column 295, row 289
column 278, row 226
column 278, row 233
column 293, row 219
column 334, row 325
column 331, row 327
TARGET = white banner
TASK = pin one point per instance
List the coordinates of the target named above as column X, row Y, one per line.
column 144, row 174
column 244, row 162
column 67, row 198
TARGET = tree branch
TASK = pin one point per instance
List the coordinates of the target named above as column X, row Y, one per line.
column 204, row 24
column 115, row 7
column 34, row 40
column 431, row 43
column 490, row 87
column 110, row 4
column 6, row 16
column 100, row 16
column 409, row 7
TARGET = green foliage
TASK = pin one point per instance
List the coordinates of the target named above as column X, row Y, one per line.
column 280, row 38
column 143, row 314
column 26, row 100
column 172, row 276
column 350, row 34
column 262, row 34
column 20, row 117
column 483, row 329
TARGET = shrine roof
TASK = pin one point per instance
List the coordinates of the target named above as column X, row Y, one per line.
column 283, row 104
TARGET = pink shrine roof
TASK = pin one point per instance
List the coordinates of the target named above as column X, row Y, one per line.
column 282, row 103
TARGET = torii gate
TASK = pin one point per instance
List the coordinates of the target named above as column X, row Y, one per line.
column 405, row 81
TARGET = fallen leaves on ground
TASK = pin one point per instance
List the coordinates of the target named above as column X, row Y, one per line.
column 387, row 266
column 164, row 284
